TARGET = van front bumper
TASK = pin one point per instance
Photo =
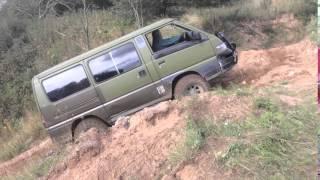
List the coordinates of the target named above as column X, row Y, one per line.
column 227, row 62
column 220, row 65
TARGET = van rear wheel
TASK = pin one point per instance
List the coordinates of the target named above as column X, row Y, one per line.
column 190, row 85
column 87, row 124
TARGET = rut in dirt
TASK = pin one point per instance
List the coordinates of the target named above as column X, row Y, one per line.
column 294, row 64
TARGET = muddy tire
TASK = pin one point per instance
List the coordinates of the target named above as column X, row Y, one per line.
column 190, row 85
column 87, row 124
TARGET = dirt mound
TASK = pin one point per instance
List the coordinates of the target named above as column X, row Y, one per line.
column 135, row 146
column 89, row 145
column 204, row 165
column 139, row 147
column 294, row 65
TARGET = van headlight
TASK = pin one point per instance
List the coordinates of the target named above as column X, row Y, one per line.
column 222, row 49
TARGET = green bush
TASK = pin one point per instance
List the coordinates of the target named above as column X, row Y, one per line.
column 264, row 103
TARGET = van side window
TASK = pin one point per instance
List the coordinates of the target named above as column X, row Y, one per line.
column 126, row 58
column 118, row 61
column 165, row 37
column 102, row 68
column 66, row 83
column 172, row 38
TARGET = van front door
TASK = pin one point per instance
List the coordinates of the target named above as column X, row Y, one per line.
column 176, row 48
column 123, row 81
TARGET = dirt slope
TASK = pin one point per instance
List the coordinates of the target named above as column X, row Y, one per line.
column 294, row 65
column 139, row 147
column 135, row 147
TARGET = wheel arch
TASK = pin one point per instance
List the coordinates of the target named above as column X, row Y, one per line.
column 180, row 76
column 77, row 122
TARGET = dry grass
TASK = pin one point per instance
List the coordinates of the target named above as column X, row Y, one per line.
column 18, row 139
column 36, row 168
column 251, row 23
column 275, row 140
column 59, row 39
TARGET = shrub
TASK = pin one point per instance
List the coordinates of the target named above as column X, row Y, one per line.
column 263, row 103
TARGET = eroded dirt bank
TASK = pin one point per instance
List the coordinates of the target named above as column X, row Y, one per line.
column 294, row 65
column 139, row 147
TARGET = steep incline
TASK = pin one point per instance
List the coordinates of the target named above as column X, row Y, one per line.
column 139, row 147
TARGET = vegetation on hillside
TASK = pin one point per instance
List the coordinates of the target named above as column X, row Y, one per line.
column 276, row 141
column 36, row 35
column 37, row 168
column 15, row 140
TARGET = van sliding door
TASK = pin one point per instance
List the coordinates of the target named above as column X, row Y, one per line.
column 123, row 82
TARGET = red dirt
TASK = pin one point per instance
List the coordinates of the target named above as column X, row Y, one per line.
column 135, row 150
column 294, row 65
column 138, row 147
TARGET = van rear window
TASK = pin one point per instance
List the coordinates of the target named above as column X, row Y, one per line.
column 66, row 83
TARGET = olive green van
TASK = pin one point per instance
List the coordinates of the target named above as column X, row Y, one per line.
column 159, row 62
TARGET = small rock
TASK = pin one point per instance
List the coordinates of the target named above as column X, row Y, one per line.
column 189, row 172
column 122, row 122
column 168, row 177
column 89, row 145
column 291, row 73
column 291, row 101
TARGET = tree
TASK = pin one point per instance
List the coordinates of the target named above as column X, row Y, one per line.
column 85, row 23
column 136, row 6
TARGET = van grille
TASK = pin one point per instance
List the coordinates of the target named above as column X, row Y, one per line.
column 227, row 61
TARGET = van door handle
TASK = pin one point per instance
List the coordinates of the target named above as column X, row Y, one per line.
column 162, row 62
column 142, row 73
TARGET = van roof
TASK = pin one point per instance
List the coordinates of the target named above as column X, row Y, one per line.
column 103, row 47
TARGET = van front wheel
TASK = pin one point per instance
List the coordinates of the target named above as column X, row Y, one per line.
column 87, row 124
column 190, row 85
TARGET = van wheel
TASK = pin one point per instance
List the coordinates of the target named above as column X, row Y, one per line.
column 87, row 124
column 190, row 85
